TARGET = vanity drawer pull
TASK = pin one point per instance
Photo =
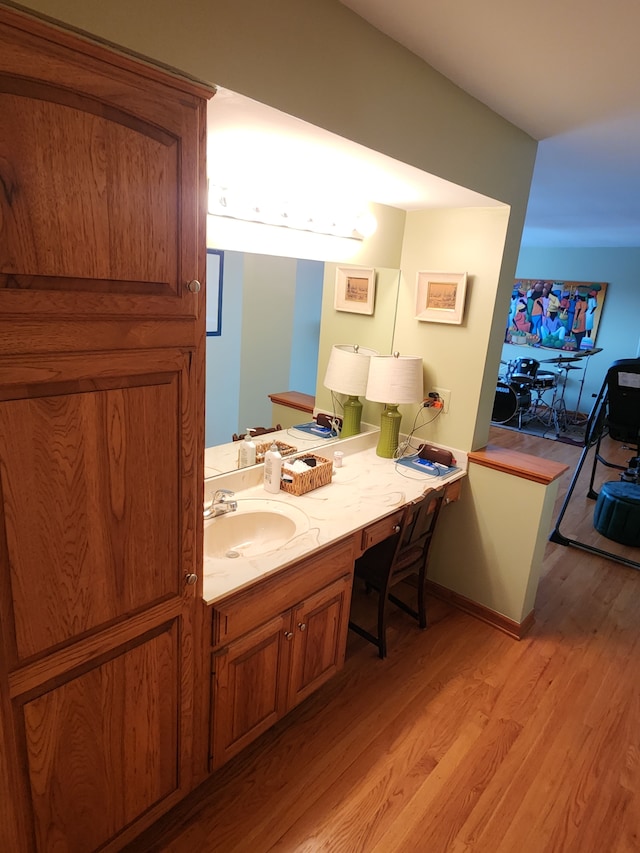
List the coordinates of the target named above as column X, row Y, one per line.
column 288, row 635
column 302, row 626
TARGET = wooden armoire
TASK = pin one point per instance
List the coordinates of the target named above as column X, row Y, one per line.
column 102, row 249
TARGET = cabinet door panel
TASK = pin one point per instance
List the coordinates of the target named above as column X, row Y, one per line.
column 320, row 634
column 249, row 688
column 91, row 513
column 97, row 180
column 102, row 747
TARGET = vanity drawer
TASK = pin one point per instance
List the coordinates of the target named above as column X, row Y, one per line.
column 380, row 530
column 452, row 492
column 240, row 613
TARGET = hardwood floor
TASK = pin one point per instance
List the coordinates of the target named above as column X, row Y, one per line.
column 462, row 741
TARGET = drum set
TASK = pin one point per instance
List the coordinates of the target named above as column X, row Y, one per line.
column 525, row 389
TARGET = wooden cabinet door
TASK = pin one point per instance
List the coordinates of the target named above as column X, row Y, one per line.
column 101, row 192
column 320, row 627
column 249, row 687
column 96, row 613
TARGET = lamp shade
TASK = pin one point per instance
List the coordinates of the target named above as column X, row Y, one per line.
column 348, row 369
column 395, row 379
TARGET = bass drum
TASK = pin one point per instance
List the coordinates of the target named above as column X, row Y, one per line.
column 509, row 400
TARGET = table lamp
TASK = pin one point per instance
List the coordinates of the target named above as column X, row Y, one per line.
column 347, row 373
column 393, row 379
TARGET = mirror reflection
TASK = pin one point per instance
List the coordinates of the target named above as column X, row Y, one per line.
column 266, row 367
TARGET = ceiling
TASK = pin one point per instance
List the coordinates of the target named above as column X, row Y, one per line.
column 566, row 73
column 262, row 153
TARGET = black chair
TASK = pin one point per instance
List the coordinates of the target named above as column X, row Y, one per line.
column 401, row 555
column 616, row 413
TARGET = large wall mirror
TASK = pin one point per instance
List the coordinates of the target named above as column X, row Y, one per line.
column 277, row 324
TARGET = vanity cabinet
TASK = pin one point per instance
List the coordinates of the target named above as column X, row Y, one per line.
column 275, row 644
column 102, row 218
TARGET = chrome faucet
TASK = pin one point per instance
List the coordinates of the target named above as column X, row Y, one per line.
column 220, row 504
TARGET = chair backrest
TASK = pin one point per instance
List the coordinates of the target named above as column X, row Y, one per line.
column 623, row 398
column 256, row 431
column 416, row 531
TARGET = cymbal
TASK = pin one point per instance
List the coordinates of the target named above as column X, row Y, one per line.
column 588, row 352
column 561, row 359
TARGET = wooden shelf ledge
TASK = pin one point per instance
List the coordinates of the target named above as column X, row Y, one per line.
column 294, row 400
column 518, row 464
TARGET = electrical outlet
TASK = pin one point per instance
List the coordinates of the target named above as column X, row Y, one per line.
column 445, row 396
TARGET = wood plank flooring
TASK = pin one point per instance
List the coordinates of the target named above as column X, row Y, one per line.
column 462, row 741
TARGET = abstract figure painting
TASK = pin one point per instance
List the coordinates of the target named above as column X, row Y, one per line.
column 561, row 315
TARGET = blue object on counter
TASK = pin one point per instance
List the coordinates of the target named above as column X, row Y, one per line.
column 434, row 469
column 316, row 431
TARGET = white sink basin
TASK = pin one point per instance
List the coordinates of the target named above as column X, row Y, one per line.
column 255, row 528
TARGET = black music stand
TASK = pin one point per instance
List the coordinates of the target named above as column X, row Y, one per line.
column 616, row 412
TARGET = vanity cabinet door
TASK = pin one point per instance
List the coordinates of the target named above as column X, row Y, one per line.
column 320, row 627
column 284, row 638
column 249, row 682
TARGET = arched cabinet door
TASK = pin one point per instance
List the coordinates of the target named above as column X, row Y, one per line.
column 100, row 186
column 102, row 227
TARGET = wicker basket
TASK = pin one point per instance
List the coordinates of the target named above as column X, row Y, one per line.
column 309, row 480
column 263, row 446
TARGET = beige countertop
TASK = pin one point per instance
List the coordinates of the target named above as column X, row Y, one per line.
column 365, row 489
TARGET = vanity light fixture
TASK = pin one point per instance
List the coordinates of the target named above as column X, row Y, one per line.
column 393, row 379
column 355, row 225
column 347, row 373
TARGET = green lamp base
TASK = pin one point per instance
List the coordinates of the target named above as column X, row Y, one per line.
column 389, row 431
column 352, row 415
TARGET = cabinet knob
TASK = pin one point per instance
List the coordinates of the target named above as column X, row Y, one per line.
column 396, row 529
column 288, row 635
column 190, row 579
column 194, row 286
column 302, row 626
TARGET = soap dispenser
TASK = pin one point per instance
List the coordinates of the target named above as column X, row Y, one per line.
column 247, row 451
column 272, row 469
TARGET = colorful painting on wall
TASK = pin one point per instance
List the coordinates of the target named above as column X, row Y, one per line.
column 561, row 315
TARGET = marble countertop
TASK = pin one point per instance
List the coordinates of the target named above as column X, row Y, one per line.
column 365, row 489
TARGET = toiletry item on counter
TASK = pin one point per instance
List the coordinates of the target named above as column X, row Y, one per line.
column 272, row 469
column 247, row 451
column 337, row 458
column 298, row 466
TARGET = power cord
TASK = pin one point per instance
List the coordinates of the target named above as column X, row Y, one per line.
column 406, row 445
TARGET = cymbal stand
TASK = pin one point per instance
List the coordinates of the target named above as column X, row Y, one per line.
column 556, row 414
column 577, row 417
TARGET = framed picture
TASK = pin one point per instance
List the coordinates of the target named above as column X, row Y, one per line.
column 440, row 296
column 215, row 265
column 555, row 314
column 355, row 290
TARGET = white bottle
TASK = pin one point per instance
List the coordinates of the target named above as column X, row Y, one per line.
column 272, row 469
column 247, row 451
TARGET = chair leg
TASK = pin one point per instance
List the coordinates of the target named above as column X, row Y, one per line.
column 382, row 624
column 422, row 600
